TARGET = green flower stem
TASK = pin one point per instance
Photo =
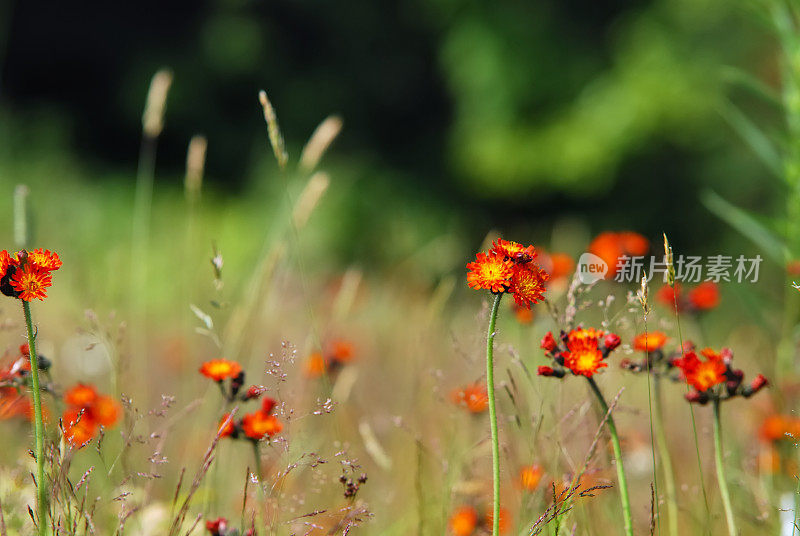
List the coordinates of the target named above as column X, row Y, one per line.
column 38, row 426
column 666, row 459
column 623, row 481
column 493, row 415
column 723, row 483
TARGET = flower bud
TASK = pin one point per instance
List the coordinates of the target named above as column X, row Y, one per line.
column 612, row 341
column 696, row 397
column 549, row 343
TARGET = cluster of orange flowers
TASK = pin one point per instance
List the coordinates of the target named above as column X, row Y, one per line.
column 254, row 426
column 473, row 398
column 87, row 411
column 715, row 369
column 581, row 351
column 703, row 297
column 338, row 354
column 509, row 267
column 610, row 246
column 465, row 521
column 27, row 275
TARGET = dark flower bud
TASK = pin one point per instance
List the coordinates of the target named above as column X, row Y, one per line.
column 237, row 383
column 696, row 397
column 612, row 341
column 734, row 379
column 549, row 343
column 549, row 371
column 254, row 392
column 757, row 384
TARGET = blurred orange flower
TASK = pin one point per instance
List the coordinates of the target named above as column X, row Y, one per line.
column 260, row 424
column 704, row 296
column 86, row 412
column 610, row 246
column 530, row 477
column 505, row 520
column 702, row 375
column 650, row 341
column 219, row 369
column 472, row 397
column 463, row 521
column 780, row 427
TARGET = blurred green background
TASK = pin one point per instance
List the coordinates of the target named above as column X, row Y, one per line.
column 460, row 116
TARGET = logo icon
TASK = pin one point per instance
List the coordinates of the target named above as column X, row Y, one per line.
column 591, row 268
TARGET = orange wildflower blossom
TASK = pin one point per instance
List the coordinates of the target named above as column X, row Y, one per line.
column 650, row 341
column 473, row 398
column 220, row 369
column 703, row 297
column 610, row 246
column 254, row 426
column 27, row 275
column 86, row 412
column 530, row 477
column 338, row 353
column 464, row 521
column 509, row 267
column 505, row 520
column 705, row 374
column 581, row 351
column 780, row 428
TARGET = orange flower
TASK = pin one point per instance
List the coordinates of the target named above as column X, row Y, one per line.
column 649, row 342
column 610, row 246
column 780, row 427
column 219, row 369
column 44, row 259
column 26, row 275
column 31, row 282
column 704, row 296
column 79, row 427
column 702, row 375
column 562, row 265
column 463, row 521
column 530, row 476
column 666, row 295
column 513, row 251
column 522, row 314
column 87, row 410
column 583, row 355
column 527, row 284
column 472, row 397
column 259, row 424
column 490, row 272
column 81, row 396
column 342, row 351
column 504, row 523
column 226, row 427
column 14, row 404
column 315, row 365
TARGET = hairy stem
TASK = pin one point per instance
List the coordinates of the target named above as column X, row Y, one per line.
column 723, row 482
column 623, row 481
column 493, row 415
column 38, row 426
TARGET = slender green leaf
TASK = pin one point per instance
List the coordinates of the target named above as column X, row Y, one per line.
column 755, row 138
column 744, row 222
